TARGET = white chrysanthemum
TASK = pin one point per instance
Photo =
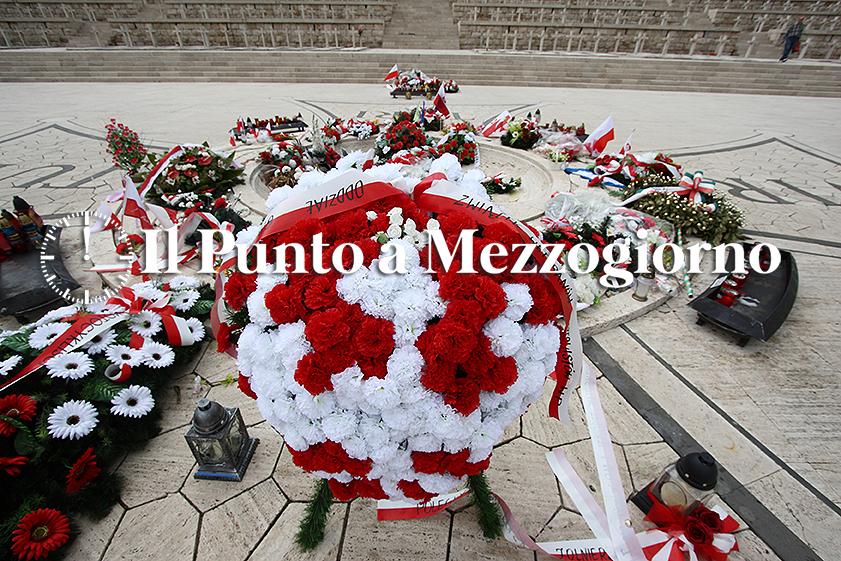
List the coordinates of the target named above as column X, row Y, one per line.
column 196, row 327
column 157, row 355
column 146, row 323
column 133, row 401
column 148, row 290
column 184, row 300
column 183, row 281
column 519, row 300
column 505, row 336
column 101, row 341
column 123, row 355
column 72, row 420
column 70, row 366
column 7, row 365
column 44, row 335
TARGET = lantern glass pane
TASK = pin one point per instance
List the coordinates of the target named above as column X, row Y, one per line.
column 236, row 435
column 210, row 450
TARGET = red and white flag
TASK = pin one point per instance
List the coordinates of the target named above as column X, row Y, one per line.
column 392, row 74
column 599, row 138
column 134, row 204
column 104, row 219
column 496, row 126
column 440, row 102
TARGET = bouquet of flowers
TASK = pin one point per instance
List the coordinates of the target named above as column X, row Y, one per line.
column 522, row 134
column 432, row 86
column 498, row 184
column 461, row 142
column 195, row 179
column 362, row 129
column 450, row 86
column 257, row 129
column 67, row 410
column 127, row 152
column 283, row 164
column 401, row 135
column 332, row 132
column 393, row 385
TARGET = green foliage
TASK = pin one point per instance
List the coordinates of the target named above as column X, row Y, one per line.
column 19, row 342
column 98, row 388
column 719, row 223
column 490, row 515
column 311, row 529
column 201, row 307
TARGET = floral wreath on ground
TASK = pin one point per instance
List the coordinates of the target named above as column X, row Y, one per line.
column 522, row 134
column 402, row 135
column 461, row 142
column 63, row 424
column 500, row 185
column 393, row 385
column 251, row 130
column 283, row 164
column 592, row 218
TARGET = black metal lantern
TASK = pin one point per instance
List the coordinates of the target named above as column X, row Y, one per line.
column 683, row 484
column 220, row 442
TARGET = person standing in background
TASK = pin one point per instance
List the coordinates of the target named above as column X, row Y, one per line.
column 792, row 38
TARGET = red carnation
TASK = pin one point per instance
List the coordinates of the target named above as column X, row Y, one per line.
column 83, row 471
column 375, row 337
column 413, row 490
column 205, row 160
column 547, row 305
column 16, row 406
column 280, row 302
column 223, row 337
column 12, row 465
column 709, row 518
column 357, row 488
column 238, row 288
column 329, row 329
column 39, row 533
column 172, row 173
column 321, row 293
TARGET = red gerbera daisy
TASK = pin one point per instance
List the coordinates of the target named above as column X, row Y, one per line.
column 12, row 464
column 83, row 471
column 39, row 533
column 16, row 406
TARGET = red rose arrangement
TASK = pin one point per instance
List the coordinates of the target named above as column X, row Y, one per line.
column 709, row 532
column 400, row 136
column 127, row 152
column 461, row 142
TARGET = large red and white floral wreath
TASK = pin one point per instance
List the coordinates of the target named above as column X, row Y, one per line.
column 394, row 386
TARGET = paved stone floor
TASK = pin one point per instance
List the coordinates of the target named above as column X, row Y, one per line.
column 768, row 412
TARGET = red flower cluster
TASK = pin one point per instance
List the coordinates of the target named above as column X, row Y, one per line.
column 127, row 152
column 237, row 289
column 442, row 462
column 459, row 145
column 16, row 406
column 402, row 135
column 83, row 471
column 12, row 465
column 39, row 533
column 329, row 456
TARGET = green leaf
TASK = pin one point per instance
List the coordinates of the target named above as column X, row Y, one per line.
column 100, row 389
column 201, row 307
column 123, row 337
column 19, row 342
column 25, row 443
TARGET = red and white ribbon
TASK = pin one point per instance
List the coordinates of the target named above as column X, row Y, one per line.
column 694, row 186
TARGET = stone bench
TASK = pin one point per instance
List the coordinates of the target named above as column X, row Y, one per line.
column 210, row 9
column 616, row 15
column 793, row 5
column 596, row 38
column 34, row 32
column 77, row 10
column 247, row 33
column 761, row 20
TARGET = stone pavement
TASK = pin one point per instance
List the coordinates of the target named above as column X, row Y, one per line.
column 768, row 412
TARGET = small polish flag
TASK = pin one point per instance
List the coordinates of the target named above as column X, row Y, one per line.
column 599, row 138
column 440, row 102
column 134, row 205
column 495, row 127
column 104, row 219
column 392, row 74
column 239, row 124
column 626, row 148
column 232, row 142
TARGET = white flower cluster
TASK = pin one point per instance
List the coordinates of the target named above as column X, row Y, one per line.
column 361, row 130
column 77, row 418
column 387, row 419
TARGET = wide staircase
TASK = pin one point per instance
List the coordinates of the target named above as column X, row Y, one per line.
column 421, row 24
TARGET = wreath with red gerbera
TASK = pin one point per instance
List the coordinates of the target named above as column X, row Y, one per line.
column 83, row 471
column 16, row 406
column 39, row 533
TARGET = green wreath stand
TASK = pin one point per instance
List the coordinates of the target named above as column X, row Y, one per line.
column 312, row 526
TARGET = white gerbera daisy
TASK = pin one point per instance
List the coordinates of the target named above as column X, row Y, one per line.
column 58, row 314
column 145, row 323
column 124, row 355
column 157, row 355
column 133, row 401
column 101, row 341
column 103, row 308
column 70, row 366
column 147, row 290
column 183, row 281
column 7, row 365
column 46, row 334
column 184, row 300
column 196, row 328
column 73, row 419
